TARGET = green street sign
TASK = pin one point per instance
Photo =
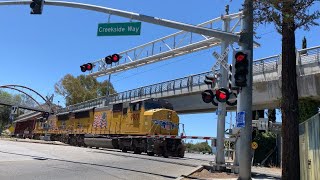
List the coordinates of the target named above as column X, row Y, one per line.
column 119, row 29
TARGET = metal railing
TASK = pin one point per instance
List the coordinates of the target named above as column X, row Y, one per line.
column 194, row 83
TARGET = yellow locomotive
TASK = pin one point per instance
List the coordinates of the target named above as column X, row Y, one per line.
column 126, row 126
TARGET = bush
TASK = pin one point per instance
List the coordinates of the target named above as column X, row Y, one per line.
column 199, row 147
column 266, row 143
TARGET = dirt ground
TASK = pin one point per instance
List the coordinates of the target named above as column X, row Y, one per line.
column 205, row 174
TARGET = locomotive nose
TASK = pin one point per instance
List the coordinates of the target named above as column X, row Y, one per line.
column 166, row 121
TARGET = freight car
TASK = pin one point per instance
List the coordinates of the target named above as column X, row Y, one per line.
column 125, row 126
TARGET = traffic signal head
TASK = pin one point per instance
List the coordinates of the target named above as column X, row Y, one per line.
column 207, row 96
column 112, row 58
column 36, row 6
column 86, row 67
column 241, row 69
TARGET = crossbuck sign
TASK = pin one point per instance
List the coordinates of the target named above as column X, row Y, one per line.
column 221, row 59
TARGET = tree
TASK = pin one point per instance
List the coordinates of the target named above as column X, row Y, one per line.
column 81, row 88
column 272, row 115
column 5, row 110
column 288, row 16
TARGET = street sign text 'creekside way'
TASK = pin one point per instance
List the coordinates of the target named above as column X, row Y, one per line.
column 119, row 29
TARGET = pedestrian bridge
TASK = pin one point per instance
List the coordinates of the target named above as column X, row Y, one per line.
column 185, row 93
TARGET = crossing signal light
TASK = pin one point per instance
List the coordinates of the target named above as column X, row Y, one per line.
column 86, row 67
column 234, row 101
column 210, row 80
column 241, row 69
column 222, row 95
column 112, row 58
column 36, row 6
column 207, row 96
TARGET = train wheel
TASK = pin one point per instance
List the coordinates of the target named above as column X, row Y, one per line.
column 80, row 140
column 181, row 150
column 165, row 155
column 124, row 149
column 73, row 141
column 181, row 153
column 136, row 151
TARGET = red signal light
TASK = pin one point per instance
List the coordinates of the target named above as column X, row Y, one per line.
column 240, row 56
column 89, row 66
column 115, row 57
column 86, row 67
column 222, row 95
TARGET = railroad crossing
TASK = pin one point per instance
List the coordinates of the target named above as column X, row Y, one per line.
column 212, row 37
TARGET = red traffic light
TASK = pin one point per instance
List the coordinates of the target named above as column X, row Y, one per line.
column 115, row 57
column 240, row 56
column 86, row 67
column 222, row 95
column 207, row 96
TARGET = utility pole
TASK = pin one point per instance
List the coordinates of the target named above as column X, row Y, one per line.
column 220, row 158
column 245, row 95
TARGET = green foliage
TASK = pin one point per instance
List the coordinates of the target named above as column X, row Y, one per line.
column 81, row 88
column 6, row 110
column 307, row 109
column 266, row 142
column 274, row 11
column 199, row 147
column 4, row 116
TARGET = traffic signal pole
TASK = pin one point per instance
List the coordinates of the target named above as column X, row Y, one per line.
column 220, row 158
column 245, row 95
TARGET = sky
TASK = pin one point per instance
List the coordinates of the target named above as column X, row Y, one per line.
column 38, row 50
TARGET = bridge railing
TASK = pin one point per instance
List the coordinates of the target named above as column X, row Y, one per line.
column 194, row 82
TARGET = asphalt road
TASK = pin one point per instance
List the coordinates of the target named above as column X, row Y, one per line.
column 21, row 160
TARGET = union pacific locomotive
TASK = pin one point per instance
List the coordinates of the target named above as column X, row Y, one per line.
column 126, row 126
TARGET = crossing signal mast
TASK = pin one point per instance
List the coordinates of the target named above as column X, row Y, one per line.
column 36, row 6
